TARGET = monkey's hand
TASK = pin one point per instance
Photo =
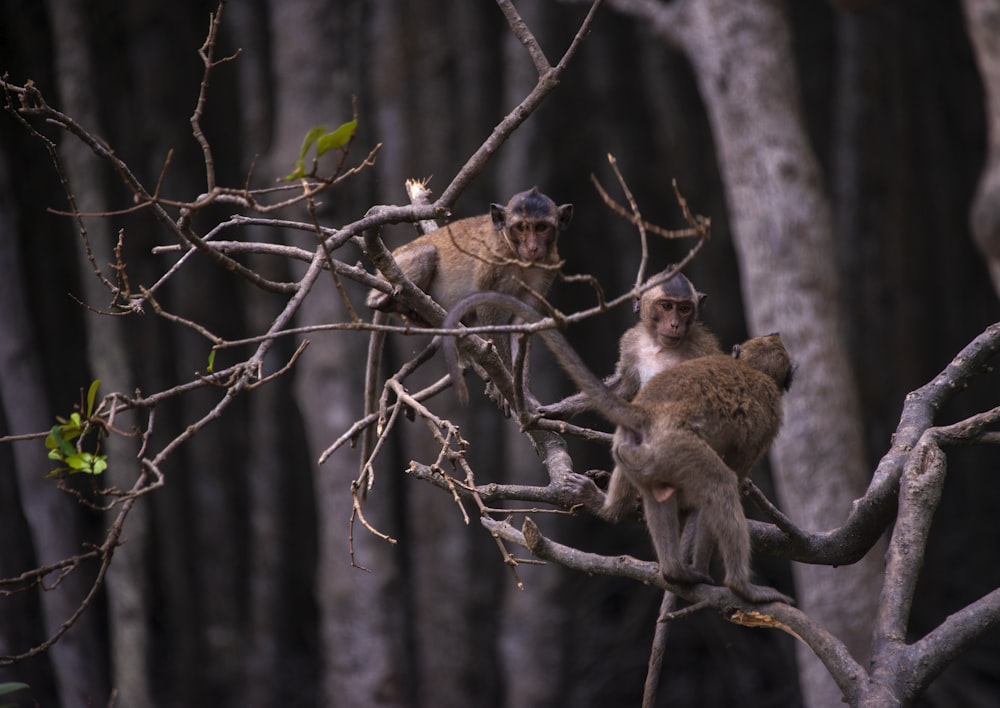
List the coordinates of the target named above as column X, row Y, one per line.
column 581, row 489
column 600, row 477
column 493, row 393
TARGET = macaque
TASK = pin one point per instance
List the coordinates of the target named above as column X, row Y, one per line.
column 668, row 332
column 685, row 442
column 511, row 250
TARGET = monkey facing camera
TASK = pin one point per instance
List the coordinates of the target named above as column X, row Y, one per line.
column 512, row 250
column 685, row 442
column 669, row 331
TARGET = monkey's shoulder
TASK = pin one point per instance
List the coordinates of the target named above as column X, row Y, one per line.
column 463, row 237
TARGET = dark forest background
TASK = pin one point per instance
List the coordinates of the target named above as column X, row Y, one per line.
column 243, row 555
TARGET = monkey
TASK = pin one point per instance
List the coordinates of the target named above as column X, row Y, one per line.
column 685, row 442
column 668, row 332
column 512, row 250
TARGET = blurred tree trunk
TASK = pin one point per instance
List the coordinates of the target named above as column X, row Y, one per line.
column 126, row 585
column 52, row 516
column 271, row 464
column 315, row 55
column 783, row 232
column 535, row 616
column 429, row 125
column 983, row 22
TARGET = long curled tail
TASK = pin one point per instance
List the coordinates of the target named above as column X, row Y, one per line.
column 612, row 406
column 376, row 343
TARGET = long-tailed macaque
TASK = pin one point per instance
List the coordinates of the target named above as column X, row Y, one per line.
column 512, row 250
column 668, row 332
column 685, row 442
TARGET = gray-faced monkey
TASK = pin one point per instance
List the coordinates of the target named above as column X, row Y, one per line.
column 511, row 250
column 668, row 332
column 684, row 442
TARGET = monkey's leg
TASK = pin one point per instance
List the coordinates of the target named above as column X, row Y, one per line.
column 697, row 548
column 664, row 529
column 721, row 517
column 622, row 498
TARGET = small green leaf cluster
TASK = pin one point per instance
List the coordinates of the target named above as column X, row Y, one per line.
column 73, row 457
column 324, row 141
column 11, row 687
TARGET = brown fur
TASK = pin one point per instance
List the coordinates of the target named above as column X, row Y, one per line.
column 668, row 333
column 685, row 442
column 512, row 250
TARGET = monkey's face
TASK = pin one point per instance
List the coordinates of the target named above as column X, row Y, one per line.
column 670, row 319
column 531, row 224
column 532, row 239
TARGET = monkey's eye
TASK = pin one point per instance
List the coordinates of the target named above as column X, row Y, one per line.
column 520, row 228
column 543, row 227
column 685, row 309
column 666, row 305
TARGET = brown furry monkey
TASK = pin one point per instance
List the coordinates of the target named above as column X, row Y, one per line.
column 512, row 250
column 668, row 332
column 685, row 442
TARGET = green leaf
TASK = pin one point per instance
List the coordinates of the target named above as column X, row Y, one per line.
column 75, row 462
column 311, row 137
column 11, row 687
column 57, row 440
column 100, row 464
column 91, row 395
column 337, row 139
column 75, row 420
column 211, row 361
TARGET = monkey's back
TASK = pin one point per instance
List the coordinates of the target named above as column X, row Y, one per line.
column 473, row 248
column 734, row 407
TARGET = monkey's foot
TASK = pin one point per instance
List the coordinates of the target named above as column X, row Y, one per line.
column 552, row 412
column 760, row 593
column 493, row 393
column 686, row 575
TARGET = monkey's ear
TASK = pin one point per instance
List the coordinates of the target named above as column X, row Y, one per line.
column 792, row 368
column 565, row 216
column 499, row 215
column 701, row 299
column 737, row 350
column 636, row 304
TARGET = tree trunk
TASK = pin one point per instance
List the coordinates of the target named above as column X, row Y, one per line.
column 783, row 231
column 52, row 515
column 983, row 22
column 126, row 584
column 361, row 613
column 535, row 616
